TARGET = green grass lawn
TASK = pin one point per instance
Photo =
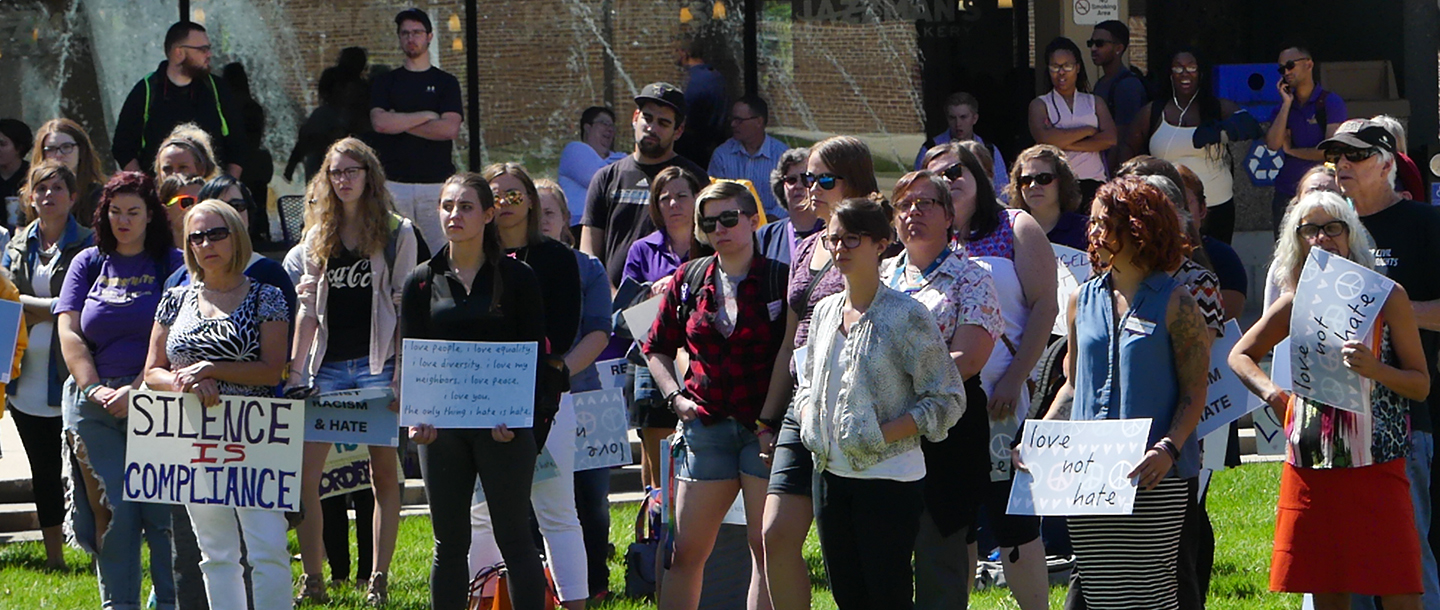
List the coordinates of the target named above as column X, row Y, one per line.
column 1242, row 508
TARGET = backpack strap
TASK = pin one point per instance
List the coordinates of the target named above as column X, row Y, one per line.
column 215, row 93
column 145, row 117
column 393, row 243
column 692, row 282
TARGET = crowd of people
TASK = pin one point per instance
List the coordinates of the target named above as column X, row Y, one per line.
column 829, row 352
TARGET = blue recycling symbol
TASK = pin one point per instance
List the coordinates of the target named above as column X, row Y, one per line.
column 1263, row 164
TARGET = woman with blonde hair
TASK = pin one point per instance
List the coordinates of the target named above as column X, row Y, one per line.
column 348, row 335
column 188, row 151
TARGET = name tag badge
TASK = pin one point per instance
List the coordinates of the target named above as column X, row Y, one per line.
column 634, row 196
column 775, row 308
column 1138, row 326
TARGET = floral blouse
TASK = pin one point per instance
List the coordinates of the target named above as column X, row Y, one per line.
column 957, row 291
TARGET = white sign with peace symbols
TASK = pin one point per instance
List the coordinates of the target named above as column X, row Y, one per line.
column 1336, row 301
column 1078, row 467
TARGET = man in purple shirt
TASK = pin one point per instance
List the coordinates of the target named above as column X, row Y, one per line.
column 1307, row 115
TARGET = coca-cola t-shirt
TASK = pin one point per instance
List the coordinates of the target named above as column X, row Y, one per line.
column 347, row 308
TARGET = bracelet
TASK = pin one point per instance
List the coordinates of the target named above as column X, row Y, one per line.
column 1168, row 446
column 762, row 426
column 670, row 398
column 90, row 388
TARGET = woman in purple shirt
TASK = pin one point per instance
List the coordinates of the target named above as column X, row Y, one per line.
column 106, row 309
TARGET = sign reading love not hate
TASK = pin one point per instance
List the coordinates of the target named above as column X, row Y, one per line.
column 468, row 384
column 1078, row 467
column 244, row 452
column 1227, row 399
column 361, row 416
column 601, row 429
column 1336, row 301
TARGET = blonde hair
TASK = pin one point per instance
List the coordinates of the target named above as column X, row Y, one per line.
column 192, row 138
column 1290, row 251
column 325, row 212
column 723, row 190
column 546, row 185
column 239, row 237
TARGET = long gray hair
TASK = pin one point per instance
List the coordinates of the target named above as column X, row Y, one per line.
column 1291, row 251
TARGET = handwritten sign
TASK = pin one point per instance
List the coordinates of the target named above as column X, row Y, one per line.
column 468, row 384
column 354, row 417
column 1002, row 435
column 1336, row 301
column 1078, row 467
column 1227, row 399
column 1269, row 428
column 12, row 315
column 545, row 469
column 613, row 373
column 641, row 317
column 347, row 469
column 243, row 452
column 601, row 429
column 1072, row 268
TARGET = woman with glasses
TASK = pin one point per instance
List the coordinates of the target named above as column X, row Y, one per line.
column 960, row 294
column 36, row 260
column 1013, row 247
column 1042, row 184
column 1185, row 127
column 348, row 335
column 106, row 310
column 876, row 378
column 838, row 168
column 177, row 192
column 65, row 141
column 1319, row 178
column 778, row 240
column 579, row 160
column 1068, row 117
column 727, row 312
column 225, row 335
column 1339, row 465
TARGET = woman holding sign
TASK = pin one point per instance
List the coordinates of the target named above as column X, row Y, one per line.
column 106, row 308
column 1344, row 486
column 470, row 291
column 224, row 335
column 960, row 294
column 1138, row 348
column 348, row 335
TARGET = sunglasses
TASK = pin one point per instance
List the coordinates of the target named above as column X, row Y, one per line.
column 954, row 172
column 184, row 201
column 826, row 181
column 1096, row 42
column 510, row 198
column 1289, row 65
column 727, row 219
column 791, row 180
column 1353, row 155
column 64, row 149
column 239, row 204
column 834, row 242
column 1184, row 69
column 215, row 235
column 1042, row 179
column 923, row 205
column 1334, row 228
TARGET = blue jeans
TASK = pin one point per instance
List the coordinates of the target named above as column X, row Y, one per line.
column 721, row 451
column 1417, row 467
column 96, row 442
column 352, row 375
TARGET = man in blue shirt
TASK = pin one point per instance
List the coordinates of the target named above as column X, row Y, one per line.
column 1307, row 115
column 706, row 100
column 962, row 111
column 750, row 153
column 1122, row 89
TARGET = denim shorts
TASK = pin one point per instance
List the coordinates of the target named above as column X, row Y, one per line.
column 352, row 375
column 721, row 451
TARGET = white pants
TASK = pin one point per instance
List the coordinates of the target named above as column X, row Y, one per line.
column 218, row 530
column 421, row 204
column 554, row 503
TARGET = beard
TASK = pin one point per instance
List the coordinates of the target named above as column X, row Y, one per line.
column 653, row 148
column 194, row 69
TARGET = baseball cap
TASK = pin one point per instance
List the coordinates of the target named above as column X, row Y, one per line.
column 663, row 93
column 1361, row 134
column 416, row 15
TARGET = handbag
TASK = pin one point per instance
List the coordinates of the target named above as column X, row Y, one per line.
column 495, row 579
column 640, row 556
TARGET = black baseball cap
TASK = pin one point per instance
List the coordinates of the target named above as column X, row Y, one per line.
column 1361, row 134
column 663, row 93
column 416, row 15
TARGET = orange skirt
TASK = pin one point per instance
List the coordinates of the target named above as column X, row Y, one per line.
column 1346, row 530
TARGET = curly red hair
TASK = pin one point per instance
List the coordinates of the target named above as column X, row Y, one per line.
column 1138, row 214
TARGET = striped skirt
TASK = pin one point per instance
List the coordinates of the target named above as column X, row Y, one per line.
column 1128, row 562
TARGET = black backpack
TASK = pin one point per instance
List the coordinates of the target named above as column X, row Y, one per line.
column 777, row 280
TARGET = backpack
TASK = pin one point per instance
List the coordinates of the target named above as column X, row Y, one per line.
column 776, row 281
column 641, row 556
column 1130, row 72
column 214, row 93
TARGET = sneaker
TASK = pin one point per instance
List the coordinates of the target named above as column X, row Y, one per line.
column 377, row 595
column 312, row 591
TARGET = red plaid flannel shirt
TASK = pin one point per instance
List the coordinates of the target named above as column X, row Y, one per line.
column 728, row 376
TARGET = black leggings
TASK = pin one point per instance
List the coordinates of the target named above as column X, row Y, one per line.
column 867, row 535
column 450, row 465
column 1220, row 221
column 41, row 437
column 337, row 533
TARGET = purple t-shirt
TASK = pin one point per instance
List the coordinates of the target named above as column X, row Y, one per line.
column 116, row 297
column 650, row 258
column 1306, row 133
column 800, row 273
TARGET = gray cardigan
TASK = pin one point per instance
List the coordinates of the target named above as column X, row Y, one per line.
column 900, row 365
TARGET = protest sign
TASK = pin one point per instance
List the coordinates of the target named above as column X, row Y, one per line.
column 353, row 416
column 347, row 469
column 12, row 315
column 1269, row 428
column 1078, row 467
column 1227, row 399
column 1072, row 268
column 1212, row 456
column 613, row 373
column 641, row 317
column 244, row 452
column 468, row 384
column 1336, row 301
column 1002, row 435
column 601, row 429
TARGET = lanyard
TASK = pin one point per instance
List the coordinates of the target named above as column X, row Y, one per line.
column 904, row 263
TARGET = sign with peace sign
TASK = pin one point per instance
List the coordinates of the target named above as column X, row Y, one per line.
column 1336, row 301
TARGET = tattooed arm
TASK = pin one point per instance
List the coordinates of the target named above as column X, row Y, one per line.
column 1190, row 340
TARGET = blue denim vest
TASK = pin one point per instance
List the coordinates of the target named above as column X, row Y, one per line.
column 1133, row 375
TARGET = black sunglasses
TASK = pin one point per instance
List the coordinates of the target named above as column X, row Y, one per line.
column 826, row 181
column 240, row 205
column 1041, row 179
column 791, row 180
column 1096, row 42
column 1334, row 228
column 215, row 235
column 1289, row 65
column 954, row 172
column 728, row 218
column 1353, row 155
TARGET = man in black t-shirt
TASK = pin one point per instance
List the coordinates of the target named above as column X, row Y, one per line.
column 1407, row 250
column 615, row 206
column 416, row 111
